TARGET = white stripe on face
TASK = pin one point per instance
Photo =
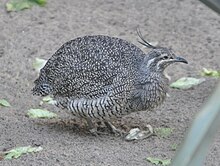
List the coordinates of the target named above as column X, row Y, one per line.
column 150, row 62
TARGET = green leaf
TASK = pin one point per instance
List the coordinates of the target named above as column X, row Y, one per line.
column 17, row 5
column 41, row 113
column 210, row 72
column 17, row 152
column 49, row 100
column 39, row 64
column 158, row 161
column 186, row 82
column 163, row 132
column 4, row 103
column 40, row 2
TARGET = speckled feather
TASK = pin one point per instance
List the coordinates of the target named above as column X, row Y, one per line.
column 101, row 77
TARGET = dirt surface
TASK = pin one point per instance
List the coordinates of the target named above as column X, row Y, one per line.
column 189, row 27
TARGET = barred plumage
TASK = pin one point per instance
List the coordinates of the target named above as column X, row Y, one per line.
column 105, row 77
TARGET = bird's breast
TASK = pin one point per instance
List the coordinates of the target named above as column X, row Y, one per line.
column 149, row 96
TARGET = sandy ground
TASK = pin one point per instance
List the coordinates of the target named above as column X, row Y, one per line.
column 189, row 27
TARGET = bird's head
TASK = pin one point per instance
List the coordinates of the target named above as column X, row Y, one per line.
column 159, row 57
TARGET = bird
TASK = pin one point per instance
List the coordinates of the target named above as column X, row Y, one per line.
column 102, row 77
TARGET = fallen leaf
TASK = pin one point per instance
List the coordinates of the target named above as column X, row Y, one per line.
column 137, row 134
column 4, row 103
column 17, row 5
column 17, row 152
column 158, row 161
column 49, row 100
column 41, row 113
column 210, row 72
column 40, row 2
column 186, row 82
column 39, row 64
column 163, row 132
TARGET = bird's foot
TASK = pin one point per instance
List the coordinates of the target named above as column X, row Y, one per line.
column 114, row 130
column 93, row 129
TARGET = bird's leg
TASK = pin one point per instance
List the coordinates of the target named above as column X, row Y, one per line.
column 92, row 127
column 114, row 129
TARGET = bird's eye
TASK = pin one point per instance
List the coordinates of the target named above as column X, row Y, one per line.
column 165, row 57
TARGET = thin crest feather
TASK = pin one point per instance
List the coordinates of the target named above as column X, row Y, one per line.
column 144, row 42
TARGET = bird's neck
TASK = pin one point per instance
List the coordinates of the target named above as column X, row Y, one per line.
column 154, row 78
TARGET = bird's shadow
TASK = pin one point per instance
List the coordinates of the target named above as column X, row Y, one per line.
column 78, row 127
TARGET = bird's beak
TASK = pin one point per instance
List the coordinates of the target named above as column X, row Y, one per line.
column 180, row 59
